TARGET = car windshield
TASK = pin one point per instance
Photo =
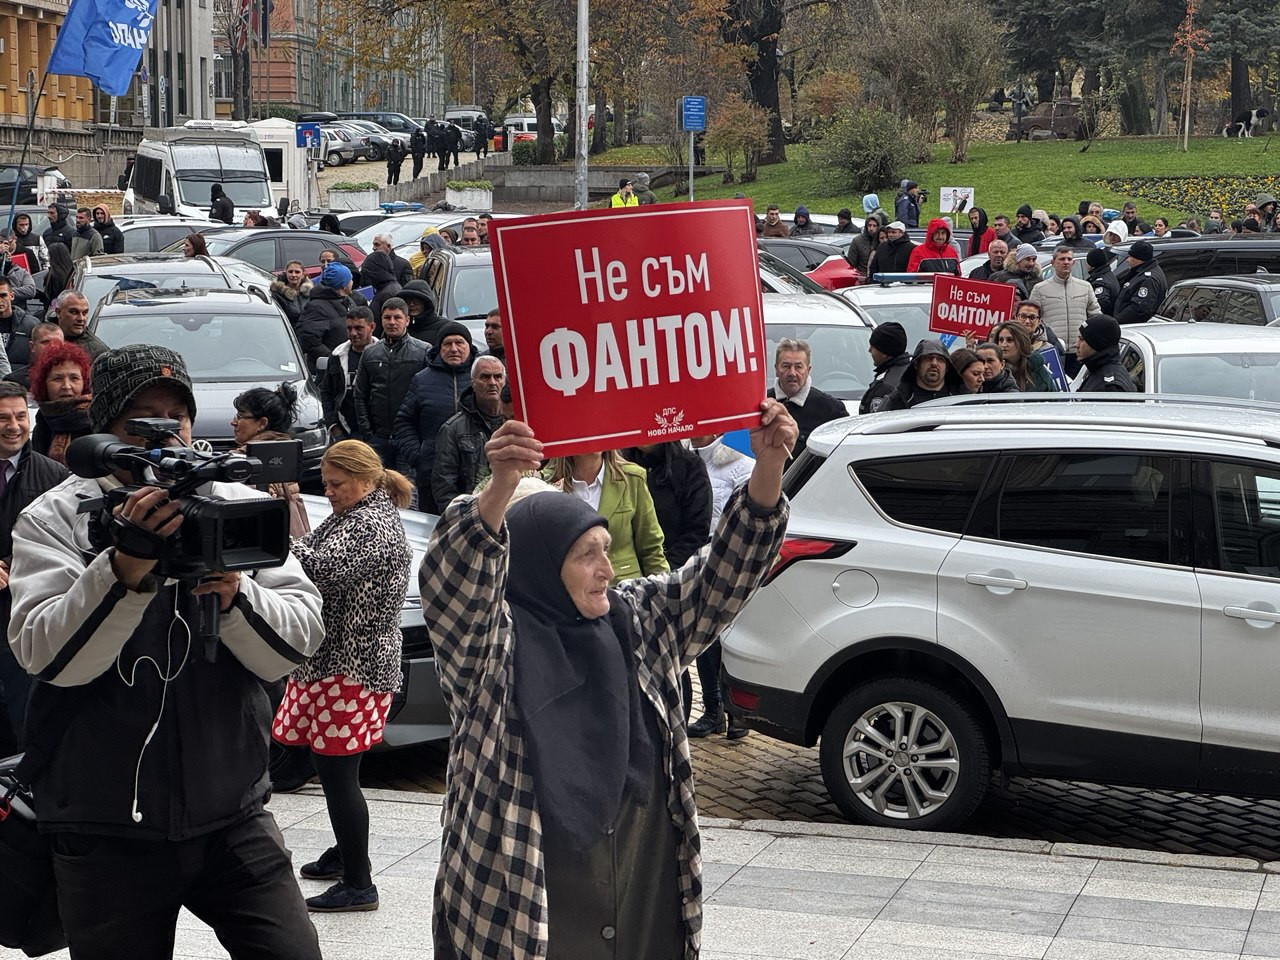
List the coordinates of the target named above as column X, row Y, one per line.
column 215, row 244
column 240, row 169
column 841, row 364
column 217, row 347
column 98, row 286
column 401, row 230
column 1240, row 376
column 776, row 265
column 914, row 318
column 474, row 292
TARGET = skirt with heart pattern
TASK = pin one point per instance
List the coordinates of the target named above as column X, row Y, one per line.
column 335, row 716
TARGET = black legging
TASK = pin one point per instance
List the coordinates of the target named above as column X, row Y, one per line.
column 348, row 814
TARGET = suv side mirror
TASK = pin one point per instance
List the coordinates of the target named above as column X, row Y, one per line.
column 166, row 203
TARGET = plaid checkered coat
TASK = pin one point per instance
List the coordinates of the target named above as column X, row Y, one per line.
column 490, row 892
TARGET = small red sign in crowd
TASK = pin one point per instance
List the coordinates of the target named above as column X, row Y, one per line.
column 632, row 326
column 961, row 306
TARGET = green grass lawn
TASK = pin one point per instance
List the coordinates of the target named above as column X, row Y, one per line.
column 1052, row 175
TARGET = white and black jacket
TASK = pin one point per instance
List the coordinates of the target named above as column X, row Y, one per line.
column 87, row 639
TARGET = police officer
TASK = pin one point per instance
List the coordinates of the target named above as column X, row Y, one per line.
column 1141, row 295
column 888, row 349
column 1098, row 349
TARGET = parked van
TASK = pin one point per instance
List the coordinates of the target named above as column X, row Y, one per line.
column 464, row 115
column 175, row 167
column 527, row 123
column 292, row 172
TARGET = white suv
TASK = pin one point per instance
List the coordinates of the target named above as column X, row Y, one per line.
column 1076, row 589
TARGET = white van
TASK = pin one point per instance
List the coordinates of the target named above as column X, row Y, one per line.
column 292, row 171
column 176, row 166
column 464, row 115
column 528, row 123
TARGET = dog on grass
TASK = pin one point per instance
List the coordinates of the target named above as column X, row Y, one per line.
column 1244, row 124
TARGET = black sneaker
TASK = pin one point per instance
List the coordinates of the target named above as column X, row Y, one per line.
column 735, row 731
column 341, row 898
column 710, row 722
column 327, row 867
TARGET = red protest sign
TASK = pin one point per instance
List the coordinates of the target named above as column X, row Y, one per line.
column 961, row 305
column 632, row 326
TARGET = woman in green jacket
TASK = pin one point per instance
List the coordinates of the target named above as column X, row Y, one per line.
column 617, row 489
column 1026, row 364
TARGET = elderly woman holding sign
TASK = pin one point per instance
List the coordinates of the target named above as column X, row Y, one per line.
column 569, row 829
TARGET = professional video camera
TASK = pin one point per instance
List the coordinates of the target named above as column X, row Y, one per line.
column 216, row 535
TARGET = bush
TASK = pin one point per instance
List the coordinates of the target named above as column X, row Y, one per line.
column 349, row 185
column 738, row 129
column 524, row 153
column 865, row 152
column 470, row 184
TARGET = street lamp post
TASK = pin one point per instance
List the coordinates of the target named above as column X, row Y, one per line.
column 580, row 120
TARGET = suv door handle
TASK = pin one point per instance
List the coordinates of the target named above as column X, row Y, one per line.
column 1252, row 613
column 1007, row 583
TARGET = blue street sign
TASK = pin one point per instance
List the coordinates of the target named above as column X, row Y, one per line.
column 307, row 134
column 693, row 113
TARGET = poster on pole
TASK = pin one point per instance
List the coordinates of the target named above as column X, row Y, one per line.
column 636, row 327
column 955, row 200
column 963, row 306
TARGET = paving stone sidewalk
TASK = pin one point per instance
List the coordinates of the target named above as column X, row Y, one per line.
column 784, row 890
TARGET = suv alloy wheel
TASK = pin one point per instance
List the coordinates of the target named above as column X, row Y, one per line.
column 899, row 752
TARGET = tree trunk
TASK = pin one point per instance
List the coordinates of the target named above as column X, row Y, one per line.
column 755, row 24
column 598, row 141
column 540, row 94
column 958, row 121
column 1089, row 85
column 1240, row 95
column 1161, row 97
column 1135, row 114
column 1046, row 80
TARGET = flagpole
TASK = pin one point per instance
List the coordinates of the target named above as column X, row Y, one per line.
column 26, row 146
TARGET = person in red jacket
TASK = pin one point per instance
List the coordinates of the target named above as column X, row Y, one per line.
column 935, row 255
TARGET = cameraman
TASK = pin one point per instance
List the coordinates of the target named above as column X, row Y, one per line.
column 153, row 797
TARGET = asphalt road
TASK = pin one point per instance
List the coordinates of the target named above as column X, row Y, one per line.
column 759, row 778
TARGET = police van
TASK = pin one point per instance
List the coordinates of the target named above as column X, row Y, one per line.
column 175, row 168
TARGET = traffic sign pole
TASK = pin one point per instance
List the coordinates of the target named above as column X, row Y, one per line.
column 693, row 118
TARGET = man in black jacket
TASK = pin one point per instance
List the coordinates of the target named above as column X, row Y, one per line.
column 112, row 237
column 337, row 383
column 1141, row 295
column 792, row 365
column 929, row 377
column 15, row 328
column 153, row 797
column 1098, row 349
column 1026, row 229
column 893, row 254
column 24, row 475
column 383, row 377
column 220, row 205
column 322, row 326
column 888, row 351
column 997, row 250
column 1106, row 286
column 460, row 458
column 865, row 243
column 418, row 147
column 59, row 229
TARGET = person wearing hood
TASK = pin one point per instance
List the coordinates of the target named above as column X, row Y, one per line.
column 935, row 255
column 86, row 241
column 1103, row 279
column 1091, row 226
column 435, row 395
column 21, row 283
column 220, row 206
column 460, row 460
column 906, row 205
column 424, row 321
column 379, row 272
column 1073, row 235
column 888, row 349
column 1022, row 269
column 865, row 243
column 1143, row 292
column 112, row 238
column 1266, row 205
column 1026, row 229
column 893, row 253
column 596, row 778
column 870, row 204
column 793, row 387
column 982, row 234
column 291, row 291
column 643, row 193
column 322, row 324
column 59, row 229
column 803, row 225
column 996, row 378
column 25, row 240
column 929, row 377
column 1098, row 348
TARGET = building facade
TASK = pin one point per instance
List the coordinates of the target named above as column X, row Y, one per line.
column 27, row 33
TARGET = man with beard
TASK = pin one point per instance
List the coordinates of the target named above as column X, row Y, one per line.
column 792, row 364
column 894, row 252
column 929, row 377
column 1073, row 235
column 86, row 241
column 460, row 460
column 1027, row 230
column 1098, row 348
column 59, row 230
column 112, row 238
column 888, row 351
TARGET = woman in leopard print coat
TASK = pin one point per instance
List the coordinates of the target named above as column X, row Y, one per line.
column 336, row 702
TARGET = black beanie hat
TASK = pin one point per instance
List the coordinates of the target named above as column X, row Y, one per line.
column 1098, row 257
column 453, row 329
column 1025, row 211
column 1142, row 250
column 1100, row 331
column 889, row 338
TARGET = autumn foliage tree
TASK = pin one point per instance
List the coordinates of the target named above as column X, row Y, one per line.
column 738, row 129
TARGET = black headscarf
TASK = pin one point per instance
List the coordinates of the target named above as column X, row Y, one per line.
column 574, row 680
column 377, row 270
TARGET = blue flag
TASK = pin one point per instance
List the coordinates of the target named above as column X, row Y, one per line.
column 103, row 40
